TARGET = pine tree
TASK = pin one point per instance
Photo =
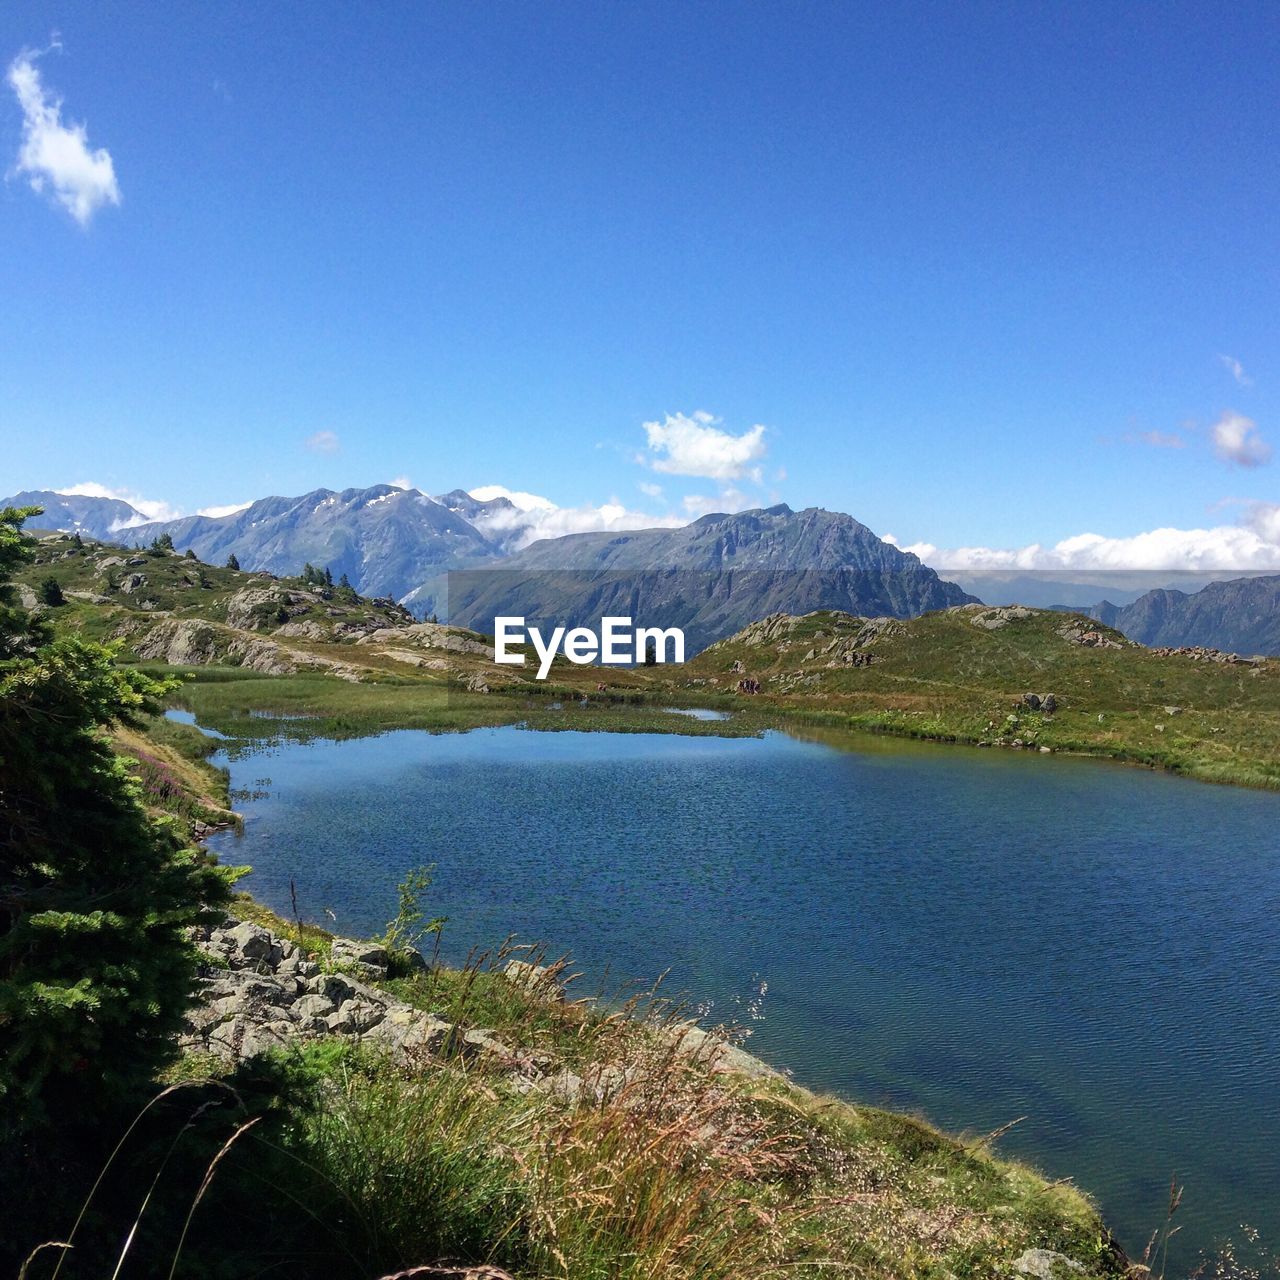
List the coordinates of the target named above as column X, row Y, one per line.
column 232, row 562
column 189, row 554
column 77, row 541
column 345, row 583
column 95, row 893
column 50, row 593
column 328, row 576
column 163, row 543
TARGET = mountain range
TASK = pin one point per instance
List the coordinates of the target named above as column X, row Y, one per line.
column 712, row 576
column 400, row 543
column 1242, row 615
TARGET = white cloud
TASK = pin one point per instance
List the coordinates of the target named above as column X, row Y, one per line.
column 537, row 517
column 1236, row 370
column 650, row 490
column 150, row 508
column 56, row 156
column 1236, row 439
column 400, row 482
column 216, row 513
column 517, row 497
column 323, row 442
column 683, row 445
column 1251, row 544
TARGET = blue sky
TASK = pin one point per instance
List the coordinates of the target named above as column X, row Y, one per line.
column 987, row 276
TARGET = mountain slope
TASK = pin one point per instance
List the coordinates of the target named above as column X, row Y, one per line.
column 100, row 518
column 710, row 578
column 1242, row 615
column 388, row 541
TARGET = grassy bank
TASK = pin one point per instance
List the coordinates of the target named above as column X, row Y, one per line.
column 596, row 1140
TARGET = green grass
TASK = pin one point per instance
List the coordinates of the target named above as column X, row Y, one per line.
column 665, row 1169
column 317, row 706
column 942, row 678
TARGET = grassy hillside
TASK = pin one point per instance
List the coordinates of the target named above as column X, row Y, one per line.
column 961, row 675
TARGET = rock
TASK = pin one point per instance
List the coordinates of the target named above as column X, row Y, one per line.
column 313, row 1006
column 994, row 619
column 356, row 1016
column 1173, row 711
column 1048, row 704
column 308, row 629
column 718, row 1053
column 132, row 582
column 257, row 608
column 345, row 950
column 406, row 1031
column 541, row 979
column 410, row 960
column 484, row 1042
column 252, row 941
column 565, row 1085
column 340, row 987
column 1031, row 700
column 1045, row 1264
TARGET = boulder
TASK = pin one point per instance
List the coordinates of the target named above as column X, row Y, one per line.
column 370, row 954
column 355, row 1017
column 1045, row 1264
column 253, row 943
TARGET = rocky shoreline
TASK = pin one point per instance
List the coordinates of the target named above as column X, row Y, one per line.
column 258, row 992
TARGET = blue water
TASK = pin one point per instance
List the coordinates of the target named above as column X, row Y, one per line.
column 979, row 936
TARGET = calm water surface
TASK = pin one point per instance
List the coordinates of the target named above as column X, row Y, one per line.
column 975, row 935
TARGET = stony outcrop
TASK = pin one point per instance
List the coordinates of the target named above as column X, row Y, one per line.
column 258, row 992
column 428, row 635
column 1045, row 1264
column 1076, row 632
column 1198, row 653
column 257, row 608
column 994, row 619
column 191, row 642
